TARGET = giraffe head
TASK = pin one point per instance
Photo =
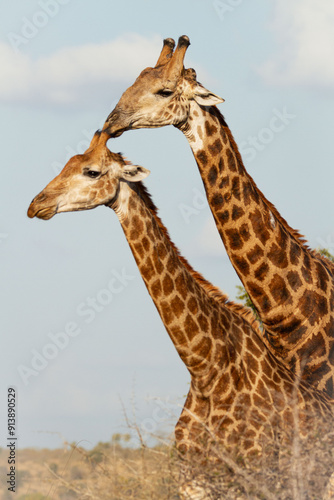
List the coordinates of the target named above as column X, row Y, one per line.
column 161, row 95
column 88, row 180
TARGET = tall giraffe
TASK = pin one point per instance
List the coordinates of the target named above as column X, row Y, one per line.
column 240, row 394
column 291, row 286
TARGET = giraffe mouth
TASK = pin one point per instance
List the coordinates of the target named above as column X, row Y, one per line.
column 46, row 213
column 117, row 122
column 42, row 213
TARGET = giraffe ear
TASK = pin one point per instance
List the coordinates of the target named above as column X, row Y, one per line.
column 134, row 173
column 204, row 97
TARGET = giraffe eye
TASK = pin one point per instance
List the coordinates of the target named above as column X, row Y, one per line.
column 93, row 174
column 165, row 92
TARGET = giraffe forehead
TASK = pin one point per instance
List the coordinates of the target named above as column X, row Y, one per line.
column 156, row 78
column 148, row 78
column 72, row 167
column 73, row 170
column 101, row 160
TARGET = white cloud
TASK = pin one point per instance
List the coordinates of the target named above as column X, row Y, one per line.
column 305, row 34
column 76, row 75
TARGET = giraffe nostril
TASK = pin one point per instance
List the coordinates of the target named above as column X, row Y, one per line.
column 40, row 198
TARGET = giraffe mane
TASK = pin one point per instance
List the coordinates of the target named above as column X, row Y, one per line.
column 213, row 291
column 298, row 237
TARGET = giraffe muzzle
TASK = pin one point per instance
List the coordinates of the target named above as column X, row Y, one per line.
column 41, row 212
column 115, row 124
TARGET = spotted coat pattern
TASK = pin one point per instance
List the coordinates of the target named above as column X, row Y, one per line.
column 291, row 286
column 240, row 394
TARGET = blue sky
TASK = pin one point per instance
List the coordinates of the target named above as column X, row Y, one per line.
column 64, row 65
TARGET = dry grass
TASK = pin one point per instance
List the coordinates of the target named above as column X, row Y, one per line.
column 108, row 471
column 291, row 470
column 113, row 471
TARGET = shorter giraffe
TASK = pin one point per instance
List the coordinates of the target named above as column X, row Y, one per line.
column 240, row 396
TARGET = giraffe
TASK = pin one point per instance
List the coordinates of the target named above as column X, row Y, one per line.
column 240, row 394
column 291, row 286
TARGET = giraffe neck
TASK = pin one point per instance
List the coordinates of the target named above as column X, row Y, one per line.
column 287, row 283
column 235, row 379
column 246, row 223
column 196, row 315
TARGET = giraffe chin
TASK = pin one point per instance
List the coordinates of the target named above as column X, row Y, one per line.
column 43, row 213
